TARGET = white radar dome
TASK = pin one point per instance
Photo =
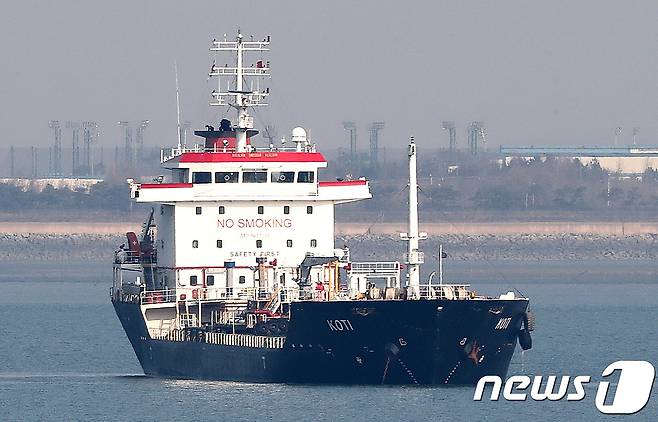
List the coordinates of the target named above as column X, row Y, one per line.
column 299, row 134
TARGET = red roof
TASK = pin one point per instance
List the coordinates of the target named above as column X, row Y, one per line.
column 343, row 183
column 259, row 157
column 189, row 185
column 164, row 185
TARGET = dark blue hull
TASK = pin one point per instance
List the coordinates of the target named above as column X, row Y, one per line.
column 426, row 342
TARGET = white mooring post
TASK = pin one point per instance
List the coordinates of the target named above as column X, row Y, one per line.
column 441, row 265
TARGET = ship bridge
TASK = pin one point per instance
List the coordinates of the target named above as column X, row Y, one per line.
column 221, row 207
column 237, row 176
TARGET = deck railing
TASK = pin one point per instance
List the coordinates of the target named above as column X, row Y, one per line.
column 423, row 291
column 167, row 154
column 225, row 339
column 131, row 257
column 208, row 294
column 445, row 291
column 288, row 295
column 149, row 297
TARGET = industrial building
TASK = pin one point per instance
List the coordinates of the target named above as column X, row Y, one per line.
column 614, row 159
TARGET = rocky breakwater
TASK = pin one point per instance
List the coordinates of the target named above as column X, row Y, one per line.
column 538, row 247
column 59, row 247
column 465, row 247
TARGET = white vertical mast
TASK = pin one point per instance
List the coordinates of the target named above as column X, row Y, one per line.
column 414, row 256
column 177, row 105
column 441, row 264
column 241, row 102
column 240, row 98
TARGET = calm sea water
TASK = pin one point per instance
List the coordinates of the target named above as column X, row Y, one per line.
column 64, row 356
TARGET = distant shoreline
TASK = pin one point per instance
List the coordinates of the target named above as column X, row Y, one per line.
column 360, row 228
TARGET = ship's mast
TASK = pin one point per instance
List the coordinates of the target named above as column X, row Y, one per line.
column 414, row 256
column 177, row 105
column 235, row 94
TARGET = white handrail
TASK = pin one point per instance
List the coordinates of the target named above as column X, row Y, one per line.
column 226, row 339
column 167, row 154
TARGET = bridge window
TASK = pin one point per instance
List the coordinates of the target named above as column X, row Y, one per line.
column 219, row 243
column 282, row 176
column 309, row 209
column 195, row 244
column 198, row 210
column 193, row 280
column 210, row 280
column 226, row 177
column 305, row 177
column 222, row 209
column 314, row 243
column 261, row 209
column 286, row 209
column 180, row 175
column 201, row 177
column 254, row 177
column 289, row 243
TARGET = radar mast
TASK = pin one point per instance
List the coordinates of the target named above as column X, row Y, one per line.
column 242, row 89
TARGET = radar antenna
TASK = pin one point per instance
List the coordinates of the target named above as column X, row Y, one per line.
column 235, row 94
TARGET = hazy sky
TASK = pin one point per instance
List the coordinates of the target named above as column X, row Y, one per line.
column 536, row 72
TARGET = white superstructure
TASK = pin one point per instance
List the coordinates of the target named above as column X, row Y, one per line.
column 230, row 208
column 232, row 215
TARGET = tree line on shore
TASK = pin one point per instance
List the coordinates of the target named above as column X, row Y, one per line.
column 487, row 184
column 483, row 184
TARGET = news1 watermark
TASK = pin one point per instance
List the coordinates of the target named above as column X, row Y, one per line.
column 636, row 378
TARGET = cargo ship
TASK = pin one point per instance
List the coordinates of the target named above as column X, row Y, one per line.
column 235, row 274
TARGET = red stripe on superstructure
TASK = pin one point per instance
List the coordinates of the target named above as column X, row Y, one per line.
column 165, row 185
column 343, row 183
column 250, row 157
column 210, row 268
